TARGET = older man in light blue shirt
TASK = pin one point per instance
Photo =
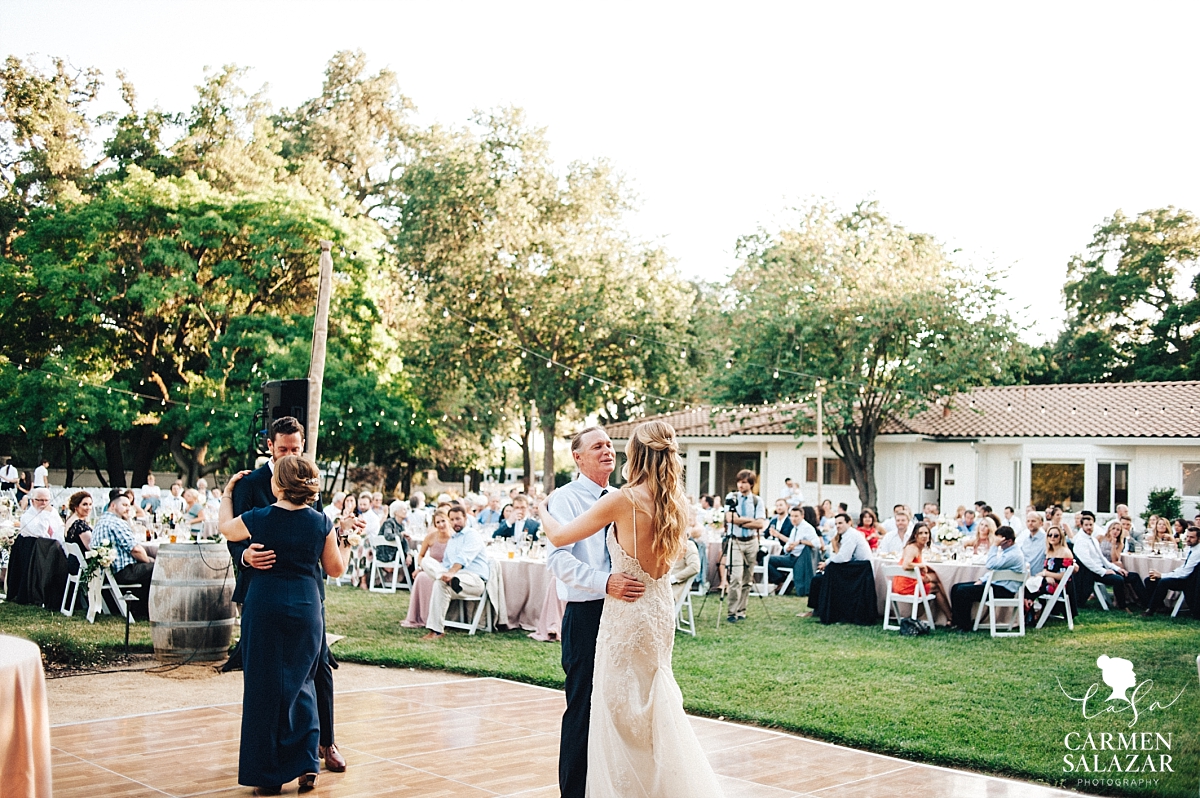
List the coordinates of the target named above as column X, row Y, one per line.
column 1032, row 543
column 583, row 578
column 1002, row 556
column 462, row 573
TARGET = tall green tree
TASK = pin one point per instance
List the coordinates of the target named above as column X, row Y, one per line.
column 1133, row 302
column 530, row 281
column 881, row 314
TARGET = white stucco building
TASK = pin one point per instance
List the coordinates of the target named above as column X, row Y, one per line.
column 1081, row 446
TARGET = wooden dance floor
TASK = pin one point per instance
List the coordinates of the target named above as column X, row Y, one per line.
column 466, row 737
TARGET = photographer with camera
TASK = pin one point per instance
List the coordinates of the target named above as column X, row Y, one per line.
column 745, row 515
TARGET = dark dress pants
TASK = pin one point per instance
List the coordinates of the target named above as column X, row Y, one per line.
column 139, row 573
column 323, row 680
column 1114, row 581
column 963, row 597
column 580, row 627
column 778, row 564
column 1164, row 585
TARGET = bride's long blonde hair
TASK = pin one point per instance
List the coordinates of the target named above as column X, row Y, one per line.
column 652, row 459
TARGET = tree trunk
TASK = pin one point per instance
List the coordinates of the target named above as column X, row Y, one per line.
column 857, row 451
column 114, row 460
column 549, row 423
column 527, row 459
column 70, row 480
column 95, row 466
column 147, row 441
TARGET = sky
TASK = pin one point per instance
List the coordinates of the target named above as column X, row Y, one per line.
column 1007, row 131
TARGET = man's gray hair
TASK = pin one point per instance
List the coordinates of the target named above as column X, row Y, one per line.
column 577, row 438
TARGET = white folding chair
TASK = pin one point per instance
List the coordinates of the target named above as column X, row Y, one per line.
column 919, row 597
column 119, row 597
column 761, row 584
column 993, row 602
column 1101, row 591
column 787, row 583
column 71, row 594
column 1060, row 596
column 395, row 567
column 687, row 624
column 483, row 610
column 1178, row 605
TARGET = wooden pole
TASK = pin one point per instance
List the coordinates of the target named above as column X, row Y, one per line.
column 316, row 363
column 820, row 442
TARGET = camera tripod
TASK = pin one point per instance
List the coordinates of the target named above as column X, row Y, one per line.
column 723, row 598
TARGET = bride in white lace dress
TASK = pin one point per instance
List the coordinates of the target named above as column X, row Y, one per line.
column 641, row 742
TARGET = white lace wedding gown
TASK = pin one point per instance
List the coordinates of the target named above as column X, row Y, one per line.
column 641, row 743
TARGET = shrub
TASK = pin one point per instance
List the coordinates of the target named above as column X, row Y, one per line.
column 1163, row 502
column 60, row 648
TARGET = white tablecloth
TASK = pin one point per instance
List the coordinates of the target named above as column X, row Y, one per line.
column 1143, row 564
column 531, row 599
column 24, row 721
column 951, row 573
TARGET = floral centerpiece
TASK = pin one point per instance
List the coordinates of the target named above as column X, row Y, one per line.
column 946, row 533
column 7, row 535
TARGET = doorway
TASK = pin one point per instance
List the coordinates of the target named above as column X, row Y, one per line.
column 931, row 485
column 728, row 464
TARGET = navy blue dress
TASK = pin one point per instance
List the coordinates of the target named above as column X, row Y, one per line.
column 282, row 633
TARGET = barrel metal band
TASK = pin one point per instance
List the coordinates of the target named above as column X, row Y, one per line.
column 194, row 624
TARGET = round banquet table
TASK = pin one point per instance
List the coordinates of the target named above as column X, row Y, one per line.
column 531, row 598
column 24, row 721
column 1143, row 564
column 951, row 573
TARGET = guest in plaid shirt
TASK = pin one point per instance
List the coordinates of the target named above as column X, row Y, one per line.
column 132, row 565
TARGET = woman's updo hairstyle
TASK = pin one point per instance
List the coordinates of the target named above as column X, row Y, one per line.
column 76, row 499
column 297, row 478
column 652, row 459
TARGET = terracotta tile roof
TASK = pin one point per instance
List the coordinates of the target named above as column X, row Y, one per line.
column 1132, row 409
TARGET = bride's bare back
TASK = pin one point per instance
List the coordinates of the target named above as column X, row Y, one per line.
column 635, row 530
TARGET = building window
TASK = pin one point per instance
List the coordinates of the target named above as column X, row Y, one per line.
column 1056, row 483
column 1191, row 479
column 1112, row 486
column 836, row 472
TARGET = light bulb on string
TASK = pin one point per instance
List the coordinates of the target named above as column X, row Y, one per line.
column 728, row 364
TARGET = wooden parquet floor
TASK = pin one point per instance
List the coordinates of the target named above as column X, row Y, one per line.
column 467, row 737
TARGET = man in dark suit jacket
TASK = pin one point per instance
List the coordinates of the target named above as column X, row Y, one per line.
column 286, row 436
column 521, row 524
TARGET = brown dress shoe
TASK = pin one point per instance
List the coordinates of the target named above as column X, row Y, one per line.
column 334, row 761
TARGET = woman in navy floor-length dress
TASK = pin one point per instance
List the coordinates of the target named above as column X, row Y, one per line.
column 282, row 628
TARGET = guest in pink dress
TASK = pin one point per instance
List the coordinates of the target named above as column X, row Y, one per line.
column 434, row 545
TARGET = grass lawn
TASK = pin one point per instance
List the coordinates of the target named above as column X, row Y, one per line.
column 959, row 700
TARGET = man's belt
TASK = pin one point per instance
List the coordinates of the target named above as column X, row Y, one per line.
column 745, row 537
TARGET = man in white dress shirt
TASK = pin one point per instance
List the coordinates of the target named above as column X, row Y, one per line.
column 582, row 578
column 1183, row 578
column 9, row 476
column 41, row 520
column 1098, row 568
column 893, row 541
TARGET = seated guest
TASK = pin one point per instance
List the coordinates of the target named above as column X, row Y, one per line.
column 172, row 501
column 969, row 526
column 132, row 565
column 1159, row 532
column 893, row 541
column 1113, row 542
column 520, row 525
column 365, row 512
column 778, row 526
column 392, row 530
column 914, row 549
column 377, row 507
column 1178, row 529
column 334, row 509
column 1183, row 578
column 490, row 515
column 151, row 495
column 929, row 514
column 684, row 571
column 79, row 531
column 193, row 512
column 868, row 524
column 1098, row 568
column 433, row 546
column 1003, row 556
column 1057, row 564
column 1012, row 519
column 849, row 545
column 696, row 533
column 1032, row 542
column 462, row 573
column 985, row 529
column 41, row 520
column 803, row 542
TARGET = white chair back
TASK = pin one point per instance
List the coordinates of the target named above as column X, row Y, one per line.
column 1060, row 596
column 919, row 597
column 71, row 594
column 992, row 603
column 684, row 620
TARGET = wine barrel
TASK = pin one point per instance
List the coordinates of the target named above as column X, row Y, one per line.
column 191, row 607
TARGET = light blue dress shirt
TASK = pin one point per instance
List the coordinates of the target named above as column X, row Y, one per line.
column 1010, row 559
column 581, row 569
column 468, row 549
column 853, row 548
column 1033, row 547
